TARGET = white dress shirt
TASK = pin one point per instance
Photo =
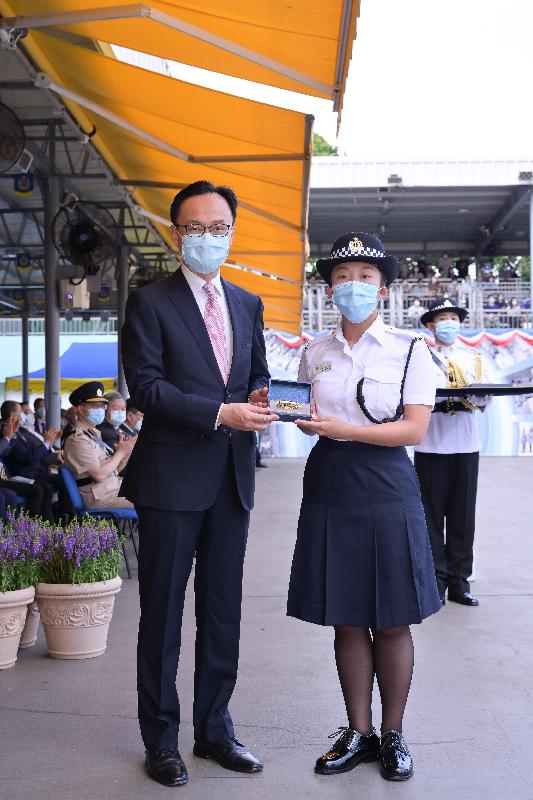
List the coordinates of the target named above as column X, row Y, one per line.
column 334, row 371
column 196, row 284
column 454, row 433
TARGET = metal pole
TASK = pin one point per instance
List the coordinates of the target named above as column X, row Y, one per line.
column 25, row 365
column 52, row 393
column 122, row 296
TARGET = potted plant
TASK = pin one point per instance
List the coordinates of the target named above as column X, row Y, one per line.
column 21, row 543
column 77, row 587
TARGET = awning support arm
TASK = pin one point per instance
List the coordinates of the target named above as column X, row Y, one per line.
column 43, row 81
column 140, row 10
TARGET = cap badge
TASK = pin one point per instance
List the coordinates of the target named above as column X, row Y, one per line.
column 99, row 393
column 355, row 246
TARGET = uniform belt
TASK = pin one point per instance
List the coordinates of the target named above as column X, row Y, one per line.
column 84, row 481
column 448, row 406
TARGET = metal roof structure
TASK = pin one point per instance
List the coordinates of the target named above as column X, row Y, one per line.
column 52, row 135
column 471, row 208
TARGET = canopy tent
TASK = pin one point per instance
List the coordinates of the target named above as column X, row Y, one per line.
column 82, row 362
column 304, row 45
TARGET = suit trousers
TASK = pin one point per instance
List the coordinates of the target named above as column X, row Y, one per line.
column 168, row 541
column 448, row 484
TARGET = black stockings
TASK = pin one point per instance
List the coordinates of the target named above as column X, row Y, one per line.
column 387, row 653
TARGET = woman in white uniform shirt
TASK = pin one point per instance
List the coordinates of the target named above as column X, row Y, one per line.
column 362, row 561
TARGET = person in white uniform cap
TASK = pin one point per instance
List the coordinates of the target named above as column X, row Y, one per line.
column 362, row 562
column 447, row 460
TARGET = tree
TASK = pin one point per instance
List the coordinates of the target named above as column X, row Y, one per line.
column 323, row 148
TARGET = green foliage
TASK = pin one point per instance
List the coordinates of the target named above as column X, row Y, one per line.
column 323, row 148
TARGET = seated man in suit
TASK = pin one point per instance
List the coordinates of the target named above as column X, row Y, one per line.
column 30, row 452
column 40, row 415
column 134, row 419
column 115, row 416
column 37, row 493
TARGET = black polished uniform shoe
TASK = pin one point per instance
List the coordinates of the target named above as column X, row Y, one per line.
column 230, row 754
column 465, row 599
column 395, row 759
column 350, row 749
column 166, row 767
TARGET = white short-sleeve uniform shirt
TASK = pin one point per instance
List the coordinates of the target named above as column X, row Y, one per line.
column 379, row 357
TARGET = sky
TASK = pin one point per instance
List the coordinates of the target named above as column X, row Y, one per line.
column 428, row 80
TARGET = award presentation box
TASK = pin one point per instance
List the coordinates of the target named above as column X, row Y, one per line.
column 290, row 400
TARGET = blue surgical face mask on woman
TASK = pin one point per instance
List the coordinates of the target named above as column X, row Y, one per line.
column 117, row 418
column 447, row 330
column 355, row 300
column 95, row 416
column 205, row 253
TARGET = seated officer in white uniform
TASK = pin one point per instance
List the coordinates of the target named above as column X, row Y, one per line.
column 94, row 464
column 447, row 460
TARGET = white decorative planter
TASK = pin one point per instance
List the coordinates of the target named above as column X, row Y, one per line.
column 13, row 609
column 76, row 617
column 29, row 634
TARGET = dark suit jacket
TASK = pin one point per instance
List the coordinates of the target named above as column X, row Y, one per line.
column 179, row 459
column 110, row 434
column 28, row 456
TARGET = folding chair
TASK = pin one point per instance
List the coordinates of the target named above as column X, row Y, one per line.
column 124, row 518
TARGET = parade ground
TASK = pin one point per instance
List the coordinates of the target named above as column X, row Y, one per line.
column 68, row 729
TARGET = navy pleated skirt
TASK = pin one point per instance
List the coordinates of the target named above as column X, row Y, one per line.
column 362, row 554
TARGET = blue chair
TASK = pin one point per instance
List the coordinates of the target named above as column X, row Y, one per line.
column 124, row 518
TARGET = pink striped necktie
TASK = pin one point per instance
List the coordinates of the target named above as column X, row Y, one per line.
column 214, row 322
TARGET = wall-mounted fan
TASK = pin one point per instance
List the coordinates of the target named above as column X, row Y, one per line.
column 86, row 235
column 12, row 138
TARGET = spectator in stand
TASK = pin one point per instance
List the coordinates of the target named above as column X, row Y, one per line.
column 404, row 268
column 445, row 266
column 514, row 313
column 115, row 416
column 40, row 415
column 422, row 268
column 462, row 266
column 419, row 289
column 414, row 312
column 434, row 287
column 500, row 300
column 486, row 272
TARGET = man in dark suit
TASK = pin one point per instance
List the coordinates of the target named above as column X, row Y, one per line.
column 195, row 364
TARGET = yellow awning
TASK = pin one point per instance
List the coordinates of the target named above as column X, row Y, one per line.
column 157, row 134
column 301, row 45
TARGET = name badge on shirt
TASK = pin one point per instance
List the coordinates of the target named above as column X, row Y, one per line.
column 324, row 366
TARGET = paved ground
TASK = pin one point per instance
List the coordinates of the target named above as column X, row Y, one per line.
column 68, row 729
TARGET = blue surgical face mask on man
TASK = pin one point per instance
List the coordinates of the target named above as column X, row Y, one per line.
column 447, row 330
column 206, row 253
column 96, row 416
column 117, row 418
column 355, row 300
column 41, row 411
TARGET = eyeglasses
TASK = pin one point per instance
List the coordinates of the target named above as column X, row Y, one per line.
column 218, row 229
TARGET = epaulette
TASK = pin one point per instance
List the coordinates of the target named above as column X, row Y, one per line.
column 418, row 337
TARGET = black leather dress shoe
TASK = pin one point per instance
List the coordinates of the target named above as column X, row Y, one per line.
column 395, row 759
column 350, row 749
column 230, row 754
column 465, row 598
column 166, row 767
column 442, row 599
